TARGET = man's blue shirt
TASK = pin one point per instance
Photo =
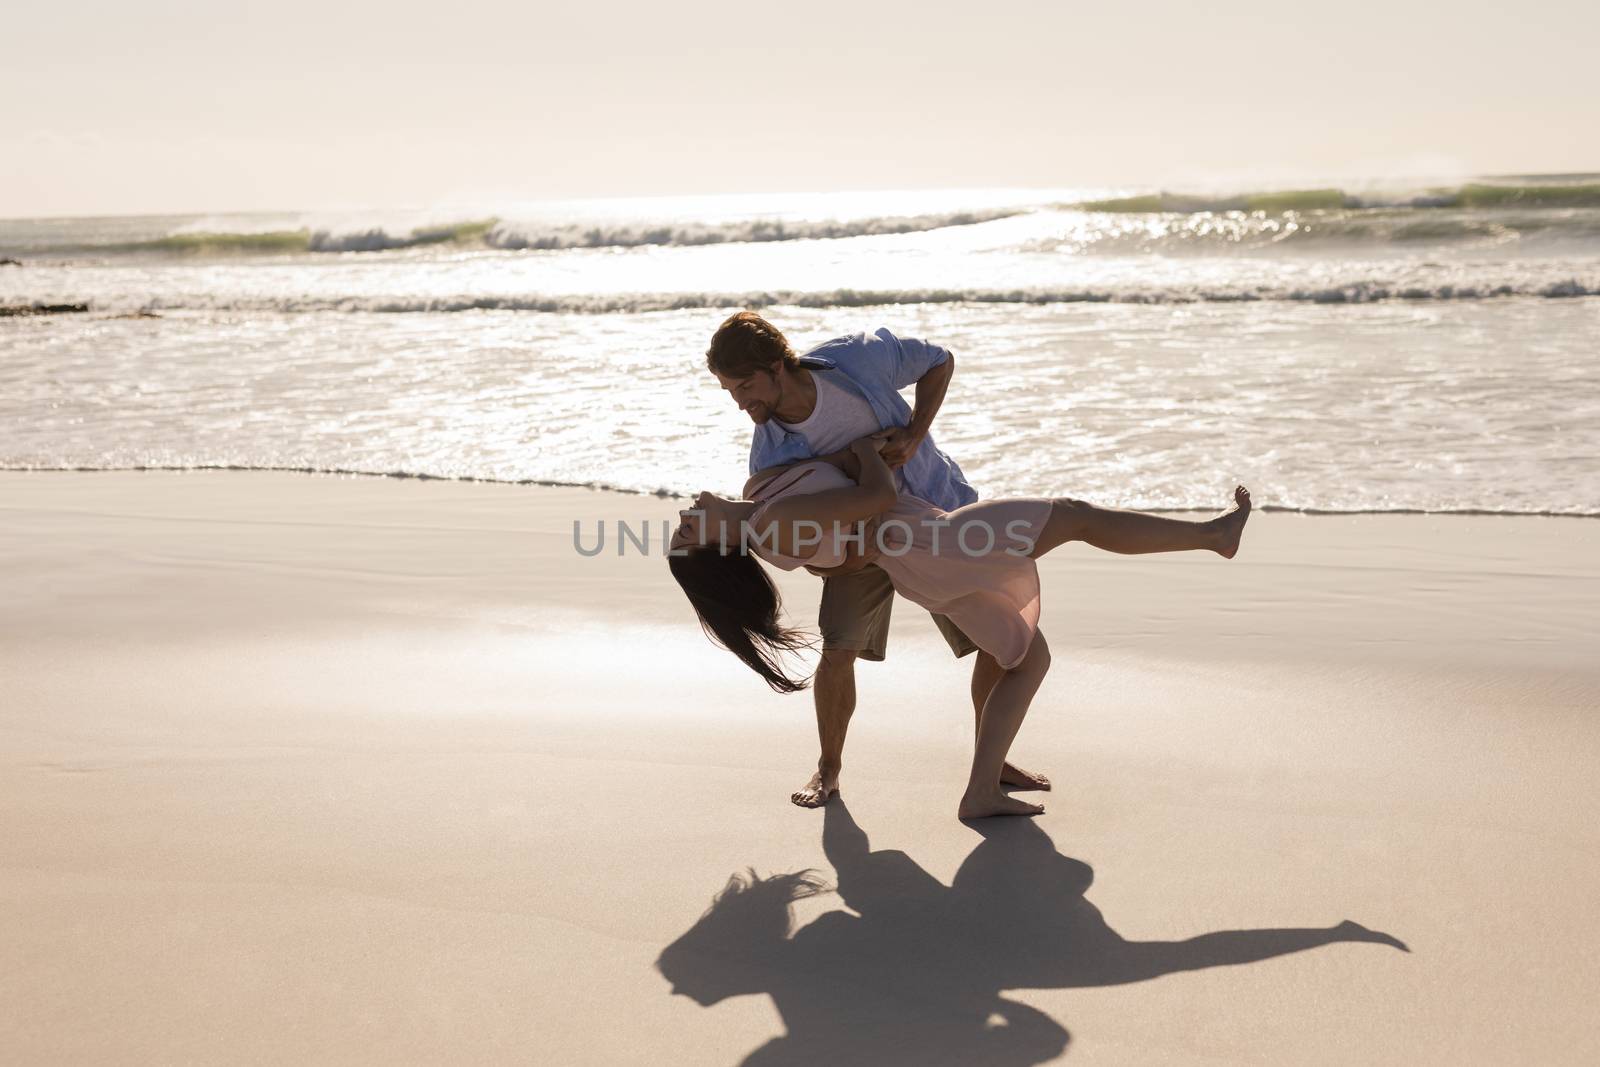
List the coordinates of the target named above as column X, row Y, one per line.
column 876, row 367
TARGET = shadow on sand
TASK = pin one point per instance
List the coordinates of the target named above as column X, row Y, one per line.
column 916, row 976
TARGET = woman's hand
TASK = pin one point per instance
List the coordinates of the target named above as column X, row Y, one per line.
column 857, row 554
column 872, row 442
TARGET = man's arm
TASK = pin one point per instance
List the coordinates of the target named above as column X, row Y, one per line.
column 903, row 441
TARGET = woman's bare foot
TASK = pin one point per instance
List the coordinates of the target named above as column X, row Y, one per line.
column 1017, row 778
column 1230, row 527
column 993, row 802
column 816, row 792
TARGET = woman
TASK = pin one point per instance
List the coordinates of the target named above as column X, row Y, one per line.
column 974, row 565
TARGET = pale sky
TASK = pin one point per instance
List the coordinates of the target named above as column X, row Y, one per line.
column 135, row 106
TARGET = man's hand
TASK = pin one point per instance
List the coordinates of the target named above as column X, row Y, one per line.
column 855, row 556
column 900, row 443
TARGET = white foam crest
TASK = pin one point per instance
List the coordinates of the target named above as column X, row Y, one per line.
column 1354, row 292
column 548, row 235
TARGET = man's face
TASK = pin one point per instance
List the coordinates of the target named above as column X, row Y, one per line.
column 756, row 395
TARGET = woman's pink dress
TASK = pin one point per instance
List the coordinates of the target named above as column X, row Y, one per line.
column 970, row 564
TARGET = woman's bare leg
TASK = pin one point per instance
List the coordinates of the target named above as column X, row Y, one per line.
column 1003, row 713
column 1132, row 532
column 985, row 673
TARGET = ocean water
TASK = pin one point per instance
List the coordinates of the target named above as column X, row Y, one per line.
column 1426, row 347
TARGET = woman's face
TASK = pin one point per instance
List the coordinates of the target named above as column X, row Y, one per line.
column 705, row 522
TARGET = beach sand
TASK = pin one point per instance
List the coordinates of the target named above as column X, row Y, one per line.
column 340, row 770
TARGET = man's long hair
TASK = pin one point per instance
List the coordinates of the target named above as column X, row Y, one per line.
column 740, row 609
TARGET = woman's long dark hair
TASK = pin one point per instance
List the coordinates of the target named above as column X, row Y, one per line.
column 740, row 609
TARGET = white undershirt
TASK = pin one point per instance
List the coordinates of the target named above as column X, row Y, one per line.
column 838, row 418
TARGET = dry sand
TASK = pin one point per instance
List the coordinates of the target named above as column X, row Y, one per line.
column 329, row 770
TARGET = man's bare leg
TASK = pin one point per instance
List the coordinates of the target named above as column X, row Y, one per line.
column 833, row 692
column 985, row 673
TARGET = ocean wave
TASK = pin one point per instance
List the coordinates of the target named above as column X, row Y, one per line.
column 1205, row 233
column 278, row 242
column 672, row 491
column 1474, row 195
column 340, row 471
column 288, row 242
column 1471, row 195
column 550, row 236
column 518, row 235
column 1356, row 292
column 377, row 239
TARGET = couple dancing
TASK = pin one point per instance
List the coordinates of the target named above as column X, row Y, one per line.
column 847, row 482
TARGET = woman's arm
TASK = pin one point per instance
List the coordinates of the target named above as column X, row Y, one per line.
column 820, row 512
column 844, row 459
column 874, row 474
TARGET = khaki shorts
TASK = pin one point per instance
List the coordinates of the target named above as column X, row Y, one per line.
column 855, row 615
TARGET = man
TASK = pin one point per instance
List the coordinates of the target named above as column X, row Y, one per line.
column 813, row 404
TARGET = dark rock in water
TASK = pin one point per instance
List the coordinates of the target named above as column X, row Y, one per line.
column 9, row 262
column 18, row 310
